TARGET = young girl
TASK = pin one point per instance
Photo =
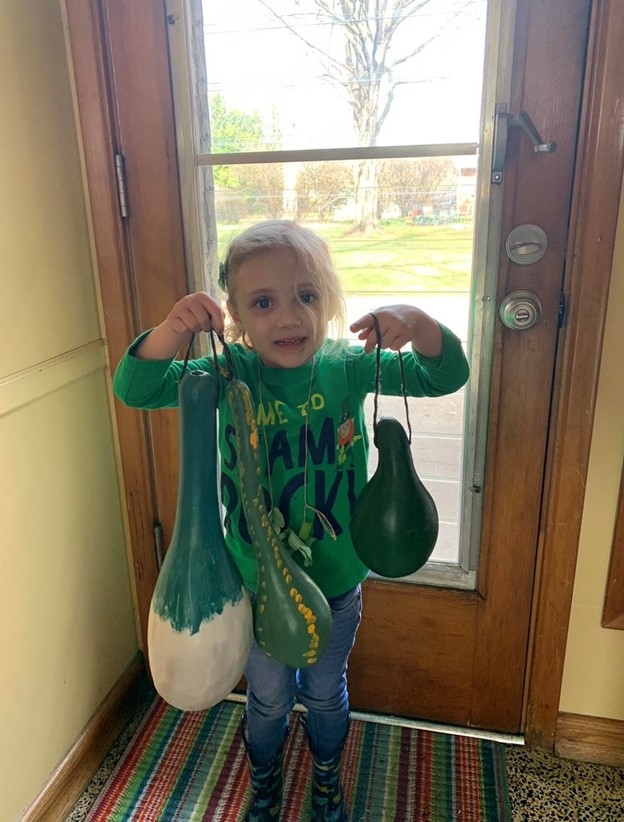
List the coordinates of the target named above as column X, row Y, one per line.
column 282, row 291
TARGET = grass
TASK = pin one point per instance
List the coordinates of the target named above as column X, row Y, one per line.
column 398, row 257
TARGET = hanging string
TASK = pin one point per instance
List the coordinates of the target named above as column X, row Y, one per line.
column 327, row 526
column 213, row 345
column 264, row 436
column 187, row 355
column 378, row 384
column 407, row 418
column 229, row 373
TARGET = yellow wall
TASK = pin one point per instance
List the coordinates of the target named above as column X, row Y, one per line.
column 67, row 628
column 593, row 680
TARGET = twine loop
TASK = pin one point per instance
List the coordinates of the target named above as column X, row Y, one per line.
column 378, row 383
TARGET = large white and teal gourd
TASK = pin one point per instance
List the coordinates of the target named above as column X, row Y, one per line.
column 200, row 623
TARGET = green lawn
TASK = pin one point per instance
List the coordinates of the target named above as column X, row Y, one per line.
column 398, row 257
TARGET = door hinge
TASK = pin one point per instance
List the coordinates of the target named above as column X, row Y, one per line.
column 122, row 187
column 562, row 311
column 159, row 544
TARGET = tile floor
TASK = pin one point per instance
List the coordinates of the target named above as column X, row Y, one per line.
column 543, row 788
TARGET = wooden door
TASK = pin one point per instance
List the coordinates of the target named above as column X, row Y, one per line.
column 456, row 656
column 448, row 655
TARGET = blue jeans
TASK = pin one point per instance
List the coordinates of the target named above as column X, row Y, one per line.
column 322, row 688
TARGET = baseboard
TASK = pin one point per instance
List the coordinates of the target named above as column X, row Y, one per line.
column 89, row 750
column 590, row 739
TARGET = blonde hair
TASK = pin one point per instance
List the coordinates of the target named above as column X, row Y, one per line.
column 312, row 254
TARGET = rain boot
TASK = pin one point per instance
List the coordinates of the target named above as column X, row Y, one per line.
column 327, row 798
column 267, row 783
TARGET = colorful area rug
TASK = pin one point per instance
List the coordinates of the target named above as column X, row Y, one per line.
column 192, row 766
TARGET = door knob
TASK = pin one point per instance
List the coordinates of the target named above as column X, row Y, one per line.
column 520, row 310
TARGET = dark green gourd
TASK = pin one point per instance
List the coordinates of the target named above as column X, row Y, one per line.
column 200, row 622
column 291, row 616
column 394, row 525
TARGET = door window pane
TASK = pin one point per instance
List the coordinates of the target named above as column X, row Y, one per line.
column 421, row 255
column 309, row 111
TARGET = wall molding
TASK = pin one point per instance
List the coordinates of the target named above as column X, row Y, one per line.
column 613, row 613
column 81, row 762
column 590, row 739
column 30, row 384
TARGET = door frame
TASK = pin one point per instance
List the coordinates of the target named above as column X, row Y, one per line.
column 587, row 275
column 596, row 195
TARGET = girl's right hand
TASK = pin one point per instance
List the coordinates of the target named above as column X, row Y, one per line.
column 193, row 313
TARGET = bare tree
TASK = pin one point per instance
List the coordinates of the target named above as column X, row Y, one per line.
column 411, row 184
column 366, row 70
column 321, row 188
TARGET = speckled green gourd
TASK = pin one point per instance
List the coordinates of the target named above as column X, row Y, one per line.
column 291, row 616
column 394, row 525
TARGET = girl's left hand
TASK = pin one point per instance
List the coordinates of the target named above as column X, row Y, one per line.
column 399, row 325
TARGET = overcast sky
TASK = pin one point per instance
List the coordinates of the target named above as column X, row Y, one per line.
column 258, row 65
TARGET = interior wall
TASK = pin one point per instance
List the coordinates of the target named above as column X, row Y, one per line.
column 593, row 680
column 67, row 628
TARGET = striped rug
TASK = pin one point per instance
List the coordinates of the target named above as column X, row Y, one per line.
column 192, row 766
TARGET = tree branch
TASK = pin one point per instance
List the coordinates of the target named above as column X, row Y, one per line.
column 300, row 36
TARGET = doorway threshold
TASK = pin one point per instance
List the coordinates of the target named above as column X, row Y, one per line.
column 416, row 724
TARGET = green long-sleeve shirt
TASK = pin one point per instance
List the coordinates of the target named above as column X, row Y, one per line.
column 312, row 422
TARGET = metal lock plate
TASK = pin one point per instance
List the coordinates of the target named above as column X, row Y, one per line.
column 526, row 244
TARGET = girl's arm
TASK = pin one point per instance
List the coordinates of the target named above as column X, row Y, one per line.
column 147, row 375
column 401, row 324
column 436, row 366
column 193, row 313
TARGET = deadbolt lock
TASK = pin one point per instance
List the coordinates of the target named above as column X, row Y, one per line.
column 520, row 310
column 526, row 244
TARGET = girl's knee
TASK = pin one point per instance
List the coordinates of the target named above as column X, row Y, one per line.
column 326, row 696
column 270, row 705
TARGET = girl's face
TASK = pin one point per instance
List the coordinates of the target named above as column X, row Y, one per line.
column 270, row 297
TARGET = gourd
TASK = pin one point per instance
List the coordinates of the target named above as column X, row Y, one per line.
column 394, row 525
column 200, row 622
column 291, row 617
